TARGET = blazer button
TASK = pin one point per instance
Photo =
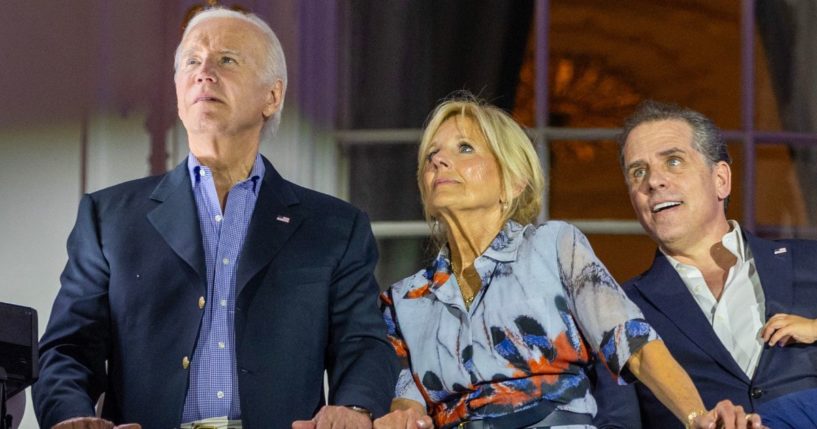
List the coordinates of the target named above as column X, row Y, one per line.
column 756, row 393
column 185, row 362
column 201, row 302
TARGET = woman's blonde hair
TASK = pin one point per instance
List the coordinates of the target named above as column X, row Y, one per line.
column 519, row 166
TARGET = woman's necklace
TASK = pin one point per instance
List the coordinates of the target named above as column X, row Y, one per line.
column 468, row 301
column 463, row 281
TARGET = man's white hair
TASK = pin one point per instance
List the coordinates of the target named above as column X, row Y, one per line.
column 274, row 64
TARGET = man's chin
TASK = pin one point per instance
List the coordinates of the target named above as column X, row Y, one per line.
column 662, row 234
column 667, row 237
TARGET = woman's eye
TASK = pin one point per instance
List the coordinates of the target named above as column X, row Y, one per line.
column 228, row 60
column 466, row 148
column 431, row 154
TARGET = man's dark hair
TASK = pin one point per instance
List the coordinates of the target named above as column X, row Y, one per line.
column 706, row 136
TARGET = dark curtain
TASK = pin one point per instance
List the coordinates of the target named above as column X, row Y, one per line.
column 402, row 58
column 789, row 35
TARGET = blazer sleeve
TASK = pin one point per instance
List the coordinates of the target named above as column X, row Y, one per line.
column 76, row 341
column 361, row 364
column 618, row 406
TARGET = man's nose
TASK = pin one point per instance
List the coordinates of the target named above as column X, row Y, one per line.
column 206, row 73
column 656, row 179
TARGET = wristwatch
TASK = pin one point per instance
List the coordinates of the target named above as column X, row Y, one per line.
column 360, row 410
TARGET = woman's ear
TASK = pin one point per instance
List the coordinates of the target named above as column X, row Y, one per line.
column 517, row 189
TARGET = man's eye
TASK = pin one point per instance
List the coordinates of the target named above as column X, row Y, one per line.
column 228, row 60
column 191, row 61
column 638, row 173
column 674, row 162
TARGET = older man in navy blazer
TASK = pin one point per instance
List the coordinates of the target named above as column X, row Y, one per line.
column 736, row 311
column 218, row 293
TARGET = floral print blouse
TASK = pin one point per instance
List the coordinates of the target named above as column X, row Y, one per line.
column 545, row 305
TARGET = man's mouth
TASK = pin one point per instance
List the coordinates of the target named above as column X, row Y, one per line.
column 207, row 99
column 665, row 205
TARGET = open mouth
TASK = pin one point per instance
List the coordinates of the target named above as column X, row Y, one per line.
column 665, row 205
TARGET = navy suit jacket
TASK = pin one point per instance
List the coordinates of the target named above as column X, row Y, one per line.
column 788, row 275
column 128, row 312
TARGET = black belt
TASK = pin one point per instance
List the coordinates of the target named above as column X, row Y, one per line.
column 556, row 418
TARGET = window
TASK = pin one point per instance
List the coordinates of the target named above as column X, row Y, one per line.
column 598, row 59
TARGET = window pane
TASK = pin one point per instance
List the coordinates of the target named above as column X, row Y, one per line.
column 402, row 257
column 402, row 57
column 787, row 60
column 382, row 181
column 601, row 51
column 785, row 203
column 623, row 265
column 586, row 181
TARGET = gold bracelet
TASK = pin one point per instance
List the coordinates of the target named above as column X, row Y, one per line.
column 691, row 416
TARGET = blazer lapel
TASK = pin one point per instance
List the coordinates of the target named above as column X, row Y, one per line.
column 663, row 287
column 176, row 218
column 774, row 268
column 273, row 222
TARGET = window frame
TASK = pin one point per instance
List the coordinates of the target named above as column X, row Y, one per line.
column 542, row 135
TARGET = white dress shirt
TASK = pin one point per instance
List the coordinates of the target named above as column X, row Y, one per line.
column 739, row 315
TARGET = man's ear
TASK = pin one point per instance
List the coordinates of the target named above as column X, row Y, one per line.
column 723, row 179
column 275, row 98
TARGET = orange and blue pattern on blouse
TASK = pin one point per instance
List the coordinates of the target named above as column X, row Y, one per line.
column 545, row 305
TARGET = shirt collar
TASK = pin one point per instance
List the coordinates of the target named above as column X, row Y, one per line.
column 505, row 245
column 733, row 242
column 196, row 171
column 503, row 248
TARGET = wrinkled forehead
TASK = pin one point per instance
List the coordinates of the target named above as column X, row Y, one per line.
column 653, row 137
column 223, row 33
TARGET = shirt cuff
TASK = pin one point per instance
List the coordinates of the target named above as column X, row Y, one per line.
column 621, row 342
column 407, row 389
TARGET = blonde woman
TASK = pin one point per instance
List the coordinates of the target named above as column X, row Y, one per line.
column 499, row 330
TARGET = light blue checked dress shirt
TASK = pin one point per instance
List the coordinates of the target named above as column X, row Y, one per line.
column 213, row 389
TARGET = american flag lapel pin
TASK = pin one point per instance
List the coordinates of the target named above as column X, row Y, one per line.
column 780, row 251
column 283, row 219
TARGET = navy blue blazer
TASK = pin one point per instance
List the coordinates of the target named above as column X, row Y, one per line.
column 788, row 275
column 128, row 315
